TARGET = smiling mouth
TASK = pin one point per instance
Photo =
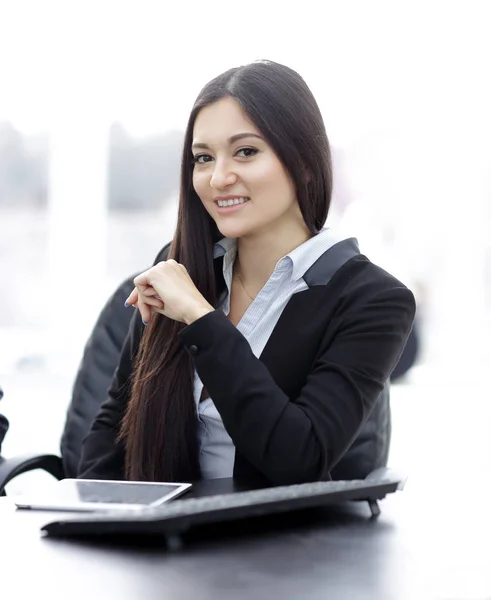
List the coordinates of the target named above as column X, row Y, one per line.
column 232, row 202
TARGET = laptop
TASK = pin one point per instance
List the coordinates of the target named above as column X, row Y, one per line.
column 178, row 516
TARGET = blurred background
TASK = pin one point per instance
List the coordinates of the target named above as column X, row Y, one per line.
column 94, row 98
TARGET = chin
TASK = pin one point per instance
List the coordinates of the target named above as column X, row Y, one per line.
column 233, row 230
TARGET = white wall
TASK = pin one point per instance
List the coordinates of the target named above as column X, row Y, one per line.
column 403, row 87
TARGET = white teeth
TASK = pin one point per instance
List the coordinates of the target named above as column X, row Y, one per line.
column 233, row 202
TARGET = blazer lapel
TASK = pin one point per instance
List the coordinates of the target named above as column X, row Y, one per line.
column 295, row 339
column 294, row 342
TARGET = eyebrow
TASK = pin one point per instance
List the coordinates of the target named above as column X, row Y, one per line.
column 232, row 139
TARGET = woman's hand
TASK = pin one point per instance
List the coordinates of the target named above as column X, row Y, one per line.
column 168, row 289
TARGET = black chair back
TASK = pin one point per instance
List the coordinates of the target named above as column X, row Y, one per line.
column 4, row 424
column 99, row 361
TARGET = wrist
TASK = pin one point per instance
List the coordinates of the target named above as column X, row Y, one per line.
column 197, row 312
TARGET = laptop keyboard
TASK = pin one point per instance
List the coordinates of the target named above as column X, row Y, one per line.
column 180, row 515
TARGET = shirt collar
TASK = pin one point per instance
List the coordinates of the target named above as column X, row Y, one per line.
column 299, row 260
column 223, row 246
column 304, row 256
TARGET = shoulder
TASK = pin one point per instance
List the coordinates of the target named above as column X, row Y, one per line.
column 360, row 271
column 359, row 281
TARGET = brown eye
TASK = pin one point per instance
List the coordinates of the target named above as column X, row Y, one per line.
column 246, row 152
column 202, row 159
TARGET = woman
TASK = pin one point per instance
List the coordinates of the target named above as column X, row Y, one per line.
column 250, row 273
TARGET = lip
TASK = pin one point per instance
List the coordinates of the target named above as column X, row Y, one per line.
column 225, row 210
column 231, row 197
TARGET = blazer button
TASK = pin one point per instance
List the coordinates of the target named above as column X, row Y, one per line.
column 193, row 349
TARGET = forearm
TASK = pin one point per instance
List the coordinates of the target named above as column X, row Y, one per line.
column 262, row 422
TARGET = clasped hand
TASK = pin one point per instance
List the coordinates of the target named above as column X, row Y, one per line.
column 168, row 289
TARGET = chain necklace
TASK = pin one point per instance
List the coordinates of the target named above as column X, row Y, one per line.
column 237, row 272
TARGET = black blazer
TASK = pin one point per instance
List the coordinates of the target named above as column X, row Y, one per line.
column 293, row 412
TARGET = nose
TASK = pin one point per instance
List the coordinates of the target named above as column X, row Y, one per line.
column 222, row 176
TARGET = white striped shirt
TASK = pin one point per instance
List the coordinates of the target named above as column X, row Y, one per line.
column 217, row 452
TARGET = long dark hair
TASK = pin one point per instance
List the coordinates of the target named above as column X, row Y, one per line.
column 159, row 428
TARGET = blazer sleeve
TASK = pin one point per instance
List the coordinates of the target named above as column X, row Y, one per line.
column 102, row 455
column 293, row 440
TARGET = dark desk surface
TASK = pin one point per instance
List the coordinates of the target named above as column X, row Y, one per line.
column 422, row 546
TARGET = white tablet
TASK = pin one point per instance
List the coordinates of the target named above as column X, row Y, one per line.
column 97, row 494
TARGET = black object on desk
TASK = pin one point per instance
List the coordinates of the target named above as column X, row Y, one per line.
column 179, row 516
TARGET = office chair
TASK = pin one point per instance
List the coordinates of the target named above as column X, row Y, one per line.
column 4, row 424
column 368, row 452
column 94, row 374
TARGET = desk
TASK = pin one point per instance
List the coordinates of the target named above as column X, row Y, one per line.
column 418, row 549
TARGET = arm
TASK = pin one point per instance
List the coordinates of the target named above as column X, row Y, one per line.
column 102, row 456
column 301, row 439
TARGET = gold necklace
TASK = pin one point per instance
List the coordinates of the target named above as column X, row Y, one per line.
column 237, row 272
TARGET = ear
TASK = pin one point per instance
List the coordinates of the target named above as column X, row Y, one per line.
column 308, row 176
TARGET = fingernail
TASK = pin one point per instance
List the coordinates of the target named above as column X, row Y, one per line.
column 126, row 304
column 144, row 322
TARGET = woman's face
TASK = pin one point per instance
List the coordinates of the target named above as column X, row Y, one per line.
column 240, row 180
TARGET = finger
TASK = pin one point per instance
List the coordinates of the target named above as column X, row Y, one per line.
column 142, row 279
column 149, row 296
column 141, row 282
column 141, row 299
column 150, row 291
column 132, row 298
column 145, row 311
column 152, row 301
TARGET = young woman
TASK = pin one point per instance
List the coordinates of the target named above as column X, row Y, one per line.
column 261, row 341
